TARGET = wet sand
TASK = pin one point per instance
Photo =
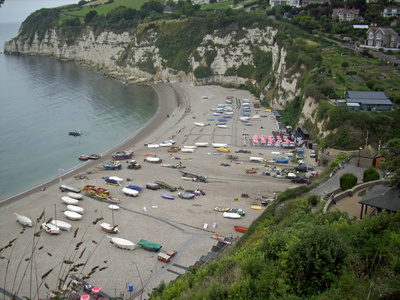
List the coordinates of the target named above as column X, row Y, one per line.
column 188, row 227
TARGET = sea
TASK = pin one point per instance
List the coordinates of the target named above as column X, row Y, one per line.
column 42, row 99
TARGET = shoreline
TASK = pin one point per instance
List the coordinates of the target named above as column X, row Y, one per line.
column 188, row 227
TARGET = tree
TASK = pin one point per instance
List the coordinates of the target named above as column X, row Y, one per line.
column 348, row 181
column 90, row 16
column 392, row 163
column 371, row 174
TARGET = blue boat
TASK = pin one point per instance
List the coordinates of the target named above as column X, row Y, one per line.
column 247, row 124
column 113, row 165
column 245, row 114
column 210, row 119
column 222, row 120
column 169, row 197
column 134, row 187
column 122, row 155
column 228, row 116
column 281, row 160
column 111, row 181
column 222, row 123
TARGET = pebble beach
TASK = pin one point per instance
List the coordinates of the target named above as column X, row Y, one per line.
column 188, row 227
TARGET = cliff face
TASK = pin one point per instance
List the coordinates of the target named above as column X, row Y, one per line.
column 140, row 60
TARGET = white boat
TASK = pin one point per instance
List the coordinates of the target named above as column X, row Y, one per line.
column 258, row 159
column 76, row 209
column 232, row 215
column 190, row 147
column 72, row 215
column 222, row 126
column 229, row 113
column 69, row 200
column 256, row 116
column 24, row 220
column 153, row 146
column 219, row 145
column 188, row 178
column 75, row 195
column 201, row 144
column 164, row 144
column 153, row 159
column 188, row 150
column 109, row 228
column 115, row 178
column 61, row 224
column 122, row 243
column 244, row 119
column 200, row 124
column 113, row 207
column 51, row 228
column 130, row 192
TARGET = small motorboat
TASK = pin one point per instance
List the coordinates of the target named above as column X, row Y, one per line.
column 111, row 182
column 76, row 209
column 83, row 157
column 186, row 195
column 122, row 155
column 72, row 215
column 165, row 144
column 68, row 200
column 240, row 228
column 75, row 133
column 222, row 126
column 61, row 224
column 112, row 200
column 24, row 220
column 51, row 228
column 169, row 197
column 75, row 196
column 130, row 192
column 122, row 243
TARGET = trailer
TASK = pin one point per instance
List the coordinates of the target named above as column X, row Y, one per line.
column 164, row 185
column 194, row 176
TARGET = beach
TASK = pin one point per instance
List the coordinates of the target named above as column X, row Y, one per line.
column 188, row 227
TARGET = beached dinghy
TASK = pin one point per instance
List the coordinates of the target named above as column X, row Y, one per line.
column 130, row 192
column 188, row 150
column 201, row 144
column 232, row 215
column 154, row 160
column 113, row 207
column 122, row 243
column 75, row 196
column 240, row 228
column 24, row 220
column 51, row 228
column 219, row 145
column 169, row 197
column 69, row 200
column 200, row 124
column 72, row 215
column 222, row 126
column 62, row 225
column 109, row 228
column 76, row 209
column 186, row 195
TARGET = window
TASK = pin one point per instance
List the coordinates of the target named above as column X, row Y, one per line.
column 379, row 36
column 371, row 36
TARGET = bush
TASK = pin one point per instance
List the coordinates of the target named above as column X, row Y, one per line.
column 202, row 72
column 371, row 174
column 313, row 200
column 348, row 181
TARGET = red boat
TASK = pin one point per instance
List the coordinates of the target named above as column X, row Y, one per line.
column 240, row 228
column 83, row 157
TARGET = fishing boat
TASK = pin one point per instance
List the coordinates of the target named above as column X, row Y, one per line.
column 173, row 149
column 188, row 150
column 154, row 160
column 94, row 156
column 201, row 144
column 75, row 196
column 169, row 197
column 51, row 228
column 75, row 133
column 232, row 215
column 61, row 224
column 83, row 157
column 102, row 195
column 122, row 243
column 122, row 155
column 24, row 220
column 112, row 165
column 200, row 124
column 68, row 200
column 130, row 192
column 76, row 209
column 186, row 195
column 150, row 246
column 240, row 228
column 221, row 208
column 72, row 215
column 219, row 145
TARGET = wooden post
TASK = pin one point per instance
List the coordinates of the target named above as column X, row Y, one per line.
column 361, row 212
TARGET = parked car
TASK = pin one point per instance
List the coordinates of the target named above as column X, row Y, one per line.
column 300, row 168
column 313, row 154
column 300, row 179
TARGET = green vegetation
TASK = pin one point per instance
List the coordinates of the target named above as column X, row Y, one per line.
column 348, row 181
column 292, row 254
column 371, row 174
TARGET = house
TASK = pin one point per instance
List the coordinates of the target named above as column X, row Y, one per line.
column 382, row 37
column 379, row 159
column 308, row 2
column 346, row 14
column 294, row 3
column 372, row 101
column 366, row 156
column 389, row 12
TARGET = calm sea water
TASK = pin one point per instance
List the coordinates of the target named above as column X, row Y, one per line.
column 42, row 99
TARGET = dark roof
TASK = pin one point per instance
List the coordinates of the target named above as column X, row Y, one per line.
column 382, row 197
column 368, row 98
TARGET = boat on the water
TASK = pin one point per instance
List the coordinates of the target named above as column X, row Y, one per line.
column 76, row 209
column 75, row 133
column 23, row 220
column 154, row 160
column 186, row 195
column 75, row 196
column 201, row 144
column 51, row 228
column 150, row 246
column 72, row 215
column 61, row 224
column 122, row 155
column 169, row 197
column 130, row 192
column 112, row 165
column 122, row 243
column 240, row 228
column 68, row 200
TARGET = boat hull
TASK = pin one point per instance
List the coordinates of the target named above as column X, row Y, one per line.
column 240, row 229
column 24, row 220
column 122, row 243
column 72, row 215
column 169, row 197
